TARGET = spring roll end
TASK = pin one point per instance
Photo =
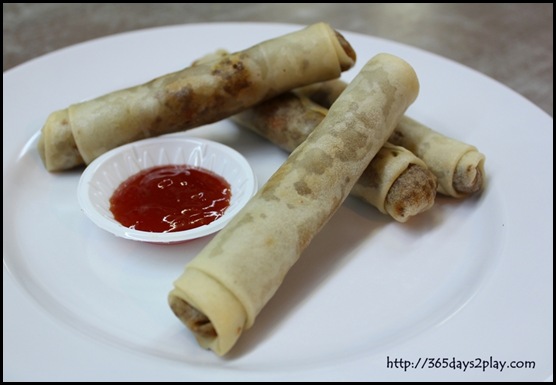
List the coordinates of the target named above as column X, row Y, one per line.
column 413, row 192
column 469, row 175
column 209, row 310
column 346, row 53
column 56, row 146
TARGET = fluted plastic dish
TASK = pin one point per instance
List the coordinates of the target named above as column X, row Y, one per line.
column 101, row 178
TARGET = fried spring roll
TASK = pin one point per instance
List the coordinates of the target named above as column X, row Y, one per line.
column 228, row 283
column 323, row 93
column 194, row 96
column 458, row 166
column 396, row 182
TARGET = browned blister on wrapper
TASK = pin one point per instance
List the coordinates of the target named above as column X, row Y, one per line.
column 240, row 269
column 197, row 95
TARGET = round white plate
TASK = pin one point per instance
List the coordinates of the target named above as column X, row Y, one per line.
column 470, row 281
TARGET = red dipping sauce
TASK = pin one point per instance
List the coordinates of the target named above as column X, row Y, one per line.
column 170, row 198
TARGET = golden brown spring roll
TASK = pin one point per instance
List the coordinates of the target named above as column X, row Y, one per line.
column 225, row 286
column 194, row 96
column 396, row 182
column 458, row 166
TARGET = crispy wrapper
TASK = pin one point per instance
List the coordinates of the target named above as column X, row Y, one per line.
column 458, row 166
column 228, row 283
column 396, row 182
column 197, row 95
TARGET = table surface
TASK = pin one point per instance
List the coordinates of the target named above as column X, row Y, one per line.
column 512, row 43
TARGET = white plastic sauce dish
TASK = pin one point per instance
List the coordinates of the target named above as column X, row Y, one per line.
column 105, row 174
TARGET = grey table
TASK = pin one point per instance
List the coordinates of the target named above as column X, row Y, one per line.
column 512, row 43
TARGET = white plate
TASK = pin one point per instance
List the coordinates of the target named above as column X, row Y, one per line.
column 470, row 280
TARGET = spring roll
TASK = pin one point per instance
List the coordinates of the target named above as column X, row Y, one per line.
column 323, row 93
column 396, row 182
column 194, row 96
column 458, row 166
column 226, row 285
